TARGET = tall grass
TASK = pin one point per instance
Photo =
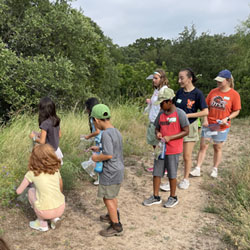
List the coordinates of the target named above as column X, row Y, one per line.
column 15, row 145
column 231, row 193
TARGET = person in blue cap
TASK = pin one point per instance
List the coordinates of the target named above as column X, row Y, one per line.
column 224, row 104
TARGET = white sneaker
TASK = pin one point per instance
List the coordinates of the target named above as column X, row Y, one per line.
column 196, row 172
column 165, row 187
column 214, row 173
column 96, row 183
column 184, row 184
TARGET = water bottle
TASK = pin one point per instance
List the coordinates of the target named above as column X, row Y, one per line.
column 162, row 146
column 98, row 167
column 89, row 166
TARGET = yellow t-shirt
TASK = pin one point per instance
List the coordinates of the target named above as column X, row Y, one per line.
column 48, row 193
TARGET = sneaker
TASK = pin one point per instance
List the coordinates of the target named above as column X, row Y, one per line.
column 96, row 183
column 55, row 223
column 37, row 225
column 214, row 173
column 165, row 187
column 150, row 170
column 106, row 218
column 184, row 184
column 196, row 172
column 115, row 229
column 171, row 202
column 151, row 201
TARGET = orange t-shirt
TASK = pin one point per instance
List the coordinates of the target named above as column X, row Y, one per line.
column 221, row 105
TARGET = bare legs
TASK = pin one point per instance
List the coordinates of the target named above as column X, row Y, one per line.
column 157, row 182
column 187, row 156
column 203, row 149
column 112, row 205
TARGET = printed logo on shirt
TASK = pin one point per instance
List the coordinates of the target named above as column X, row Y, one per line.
column 227, row 98
column 168, row 121
column 190, row 103
column 218, row 103
column 179, row 101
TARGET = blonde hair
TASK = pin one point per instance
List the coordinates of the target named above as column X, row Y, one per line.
column 231, row 82
column 43, row 160
column 163, row 78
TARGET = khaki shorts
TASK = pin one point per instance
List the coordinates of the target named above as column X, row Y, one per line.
column 151, row 138
column 193, row 132
column 108, row 192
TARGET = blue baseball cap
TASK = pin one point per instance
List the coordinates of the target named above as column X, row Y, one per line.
column 224, row 74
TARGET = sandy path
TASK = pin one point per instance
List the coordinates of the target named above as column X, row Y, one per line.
column 185, row 226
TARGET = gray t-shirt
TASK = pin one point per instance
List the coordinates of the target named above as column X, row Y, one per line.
column 113, row 169
column 52, row 137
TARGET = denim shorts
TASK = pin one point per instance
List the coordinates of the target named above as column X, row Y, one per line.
column 216, row 136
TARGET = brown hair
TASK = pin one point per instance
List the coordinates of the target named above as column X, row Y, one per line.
column 3, row 245
column 43, row 160
column 164, row 79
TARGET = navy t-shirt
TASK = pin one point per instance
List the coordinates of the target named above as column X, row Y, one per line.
column 190, row 102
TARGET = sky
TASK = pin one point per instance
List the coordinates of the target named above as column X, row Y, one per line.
column 124, row 21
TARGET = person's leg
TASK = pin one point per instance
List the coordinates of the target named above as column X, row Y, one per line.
column 156, row 185
column 187, row 156
column 172, row 187
column 111, row 205
column 42, row 223
column 202, row 152
column 217, row 154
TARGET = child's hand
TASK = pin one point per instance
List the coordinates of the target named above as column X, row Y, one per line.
column 95, row 157
column 86, row 137
column 167, row 138
column 94, row 148
column 159, row 135
column 32, row 134
column 148, row 101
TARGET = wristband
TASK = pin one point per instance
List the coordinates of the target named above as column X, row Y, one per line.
column 228, row 119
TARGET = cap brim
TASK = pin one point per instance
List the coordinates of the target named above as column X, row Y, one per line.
column 150, row 77
column 219, row 79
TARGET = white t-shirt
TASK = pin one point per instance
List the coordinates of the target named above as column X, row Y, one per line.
column 154, row 109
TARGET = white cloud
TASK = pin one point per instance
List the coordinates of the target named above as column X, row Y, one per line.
column 124, row 21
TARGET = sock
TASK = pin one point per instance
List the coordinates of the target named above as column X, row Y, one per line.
column 157, row 197
column 216, row 169
column 198, row 168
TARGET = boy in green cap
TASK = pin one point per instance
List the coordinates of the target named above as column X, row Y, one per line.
column 113, row 168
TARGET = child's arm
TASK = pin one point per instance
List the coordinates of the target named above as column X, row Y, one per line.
column 183, row 133
column 41, row 139
column 97, row 132
column 101, row 157
column 61, row 184
column 60, row 133
column 22, row 186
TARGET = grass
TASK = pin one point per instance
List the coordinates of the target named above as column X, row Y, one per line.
column 15, row 146
column 231, row 193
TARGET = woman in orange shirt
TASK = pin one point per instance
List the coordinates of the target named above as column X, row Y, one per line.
column 224, row 104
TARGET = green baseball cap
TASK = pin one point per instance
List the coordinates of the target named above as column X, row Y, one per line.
column 100, row 111
column 165, row 94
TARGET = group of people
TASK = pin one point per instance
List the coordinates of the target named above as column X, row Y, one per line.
column 173, row 122
column 43, row 179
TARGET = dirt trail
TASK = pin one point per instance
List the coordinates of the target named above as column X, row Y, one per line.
column 185, row 226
